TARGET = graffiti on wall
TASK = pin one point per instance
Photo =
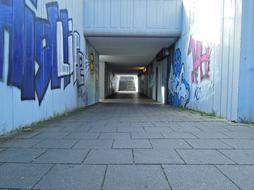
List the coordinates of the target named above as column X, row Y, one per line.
column 179, row 88
column 200, row 68
column 41, row 52
column 201, row 61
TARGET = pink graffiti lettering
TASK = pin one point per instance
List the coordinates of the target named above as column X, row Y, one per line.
column 200, row 60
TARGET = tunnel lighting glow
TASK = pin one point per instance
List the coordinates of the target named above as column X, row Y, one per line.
column 120, row 89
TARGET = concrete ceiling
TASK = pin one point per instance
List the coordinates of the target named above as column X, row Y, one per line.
column 129, row 51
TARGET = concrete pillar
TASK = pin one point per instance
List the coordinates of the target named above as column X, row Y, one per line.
column 101, row 81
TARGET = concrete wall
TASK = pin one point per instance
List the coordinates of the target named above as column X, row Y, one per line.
column 205, row 70
column 246, row 91
column 101, row 81
column 132, row 17
column 43, row 64
column 151, row 84
column 109, row 86
column 92, row 75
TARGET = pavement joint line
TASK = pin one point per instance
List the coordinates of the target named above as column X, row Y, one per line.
column 76, row 142
column 113, row 142
column 39, row 141
column 180, row 156
column 226, row 156
column 227, row 135
column 231, row 147
column 149, row 140
column 185, row 140
column 132, row 148
column 67, row 135
column 83, row 161
column 162, row 134
column 129, row 164
column 99, row 136
column 166, row 177
column 227, row 177
column 133, row 159
column 46, row 150
column 43, row 175
column 104, row 177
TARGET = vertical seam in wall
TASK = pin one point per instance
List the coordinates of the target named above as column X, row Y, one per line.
column 238, row 64
column 146, row 12
column 233, row 66
column 228, row 69
column 221, row 58
column 12, row 108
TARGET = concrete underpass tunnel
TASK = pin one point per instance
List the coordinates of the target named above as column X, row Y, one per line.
column 131, row 65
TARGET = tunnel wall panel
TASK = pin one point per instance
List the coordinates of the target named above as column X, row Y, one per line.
column 43, row 62
column 205, row 70
column 132, row 17
column 246, row 91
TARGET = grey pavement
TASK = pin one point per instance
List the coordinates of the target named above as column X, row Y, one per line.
column 124, row 146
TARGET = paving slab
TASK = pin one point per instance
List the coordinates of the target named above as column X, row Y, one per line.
column 82, row 135
column 54, row 128
column 115, row 136
column 240, row 156
column 159, row 156
column 21, row 176
column 51, row 135
column 198, row 177
column 163, row 124
column 179, row 135
column 76, row 129
column 66, row 156
column 73, row 177
column 208, row 144
column 56, row 143
column 158, row 129
column 20, row 143
column 109, row 157
column 130, row 129
column 103, row 129
column 210, row 135
column 242, row 176
column 134, row 143
column 135, row 177
column 240, row 143
column 82, row 145
column 204, row 157
column 94, row 144
column 146, row 135
column 27, row 135
column 20, row 155
column 241, row 134
column 169, row 143
column 185, row 129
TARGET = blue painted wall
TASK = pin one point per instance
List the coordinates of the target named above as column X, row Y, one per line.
column 43, row 61
column 205, row 70
column 246, row 90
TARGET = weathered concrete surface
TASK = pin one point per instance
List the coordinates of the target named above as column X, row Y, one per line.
column 120, row 146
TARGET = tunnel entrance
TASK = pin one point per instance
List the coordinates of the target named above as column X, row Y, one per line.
column 133, row 65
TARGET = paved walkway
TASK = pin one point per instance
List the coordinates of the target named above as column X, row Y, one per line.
column 130, row 147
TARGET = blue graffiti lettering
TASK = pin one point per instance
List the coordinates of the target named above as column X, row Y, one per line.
column 179, row 88
column 42, row 51
column 5, row 24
